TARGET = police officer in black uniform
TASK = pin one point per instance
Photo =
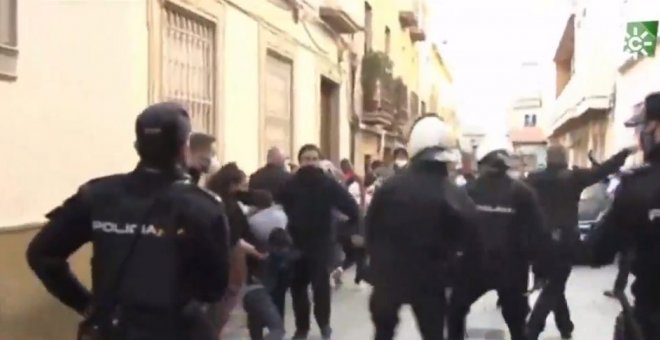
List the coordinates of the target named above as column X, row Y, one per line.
column 634, row 220
column 558, row 190
column 512, row 230
column 416, row 223
column 160, row 243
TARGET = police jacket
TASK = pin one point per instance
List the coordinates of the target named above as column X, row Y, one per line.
column 510, row 219
column 633, row 220
column 416, row 223
column 559, row 189
column 180, row 257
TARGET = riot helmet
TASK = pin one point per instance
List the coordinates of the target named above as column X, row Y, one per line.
column 431, row 140
column 495, row 151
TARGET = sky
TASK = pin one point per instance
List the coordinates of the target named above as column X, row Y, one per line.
column 484, row 43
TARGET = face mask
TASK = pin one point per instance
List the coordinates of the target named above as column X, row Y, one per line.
column 401, row 162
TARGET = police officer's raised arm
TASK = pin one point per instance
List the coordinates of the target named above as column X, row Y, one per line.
column 609, row 236
column 597, row 173
column 67, row 229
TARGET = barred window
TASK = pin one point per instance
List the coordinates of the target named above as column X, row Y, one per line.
column 189, row 65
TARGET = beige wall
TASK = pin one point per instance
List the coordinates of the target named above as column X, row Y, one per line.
column 369, row 145
column 252, row 28
column 27, row 311
column 69, row 115
column 77, row 94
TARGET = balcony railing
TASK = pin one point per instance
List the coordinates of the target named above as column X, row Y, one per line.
column 343, row 16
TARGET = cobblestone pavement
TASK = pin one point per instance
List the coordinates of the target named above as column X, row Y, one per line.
column 593, row 314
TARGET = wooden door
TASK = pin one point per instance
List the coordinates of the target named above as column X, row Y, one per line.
column 278, row 121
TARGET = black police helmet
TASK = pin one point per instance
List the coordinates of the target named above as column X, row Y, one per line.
column 161, row 131
column 650, row 111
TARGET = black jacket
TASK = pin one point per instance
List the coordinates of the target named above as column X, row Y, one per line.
column 510, row 221
column 416, row 224
column 559, row 190
column 633, row 221
column 308, row 199
column 270, row 178
column 181, row 255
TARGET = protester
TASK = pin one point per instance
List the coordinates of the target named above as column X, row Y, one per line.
column 230, row 183
column 202, row 159
column 558, row 190
column 309, row 198
column 273, row 175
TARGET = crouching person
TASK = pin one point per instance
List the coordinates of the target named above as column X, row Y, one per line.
column 268, row 227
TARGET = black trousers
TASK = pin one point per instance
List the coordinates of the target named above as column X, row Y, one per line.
column 311, row 271
column 355, row 256
column 428, row 306
column 511, row 287
column 625, row 263
column 552, row 299
column 648, row 318
column 262, row 313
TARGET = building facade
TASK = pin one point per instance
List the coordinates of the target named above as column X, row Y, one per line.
column 436, row 86
column 387, row 94
column 634, row 80
column 253, row 73
column 585, row 62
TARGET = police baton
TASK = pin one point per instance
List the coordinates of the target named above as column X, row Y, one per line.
column 628, row 315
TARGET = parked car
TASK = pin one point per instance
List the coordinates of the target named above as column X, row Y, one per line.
column 594, row 201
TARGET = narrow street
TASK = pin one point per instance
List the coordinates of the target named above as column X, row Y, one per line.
column 593, row 314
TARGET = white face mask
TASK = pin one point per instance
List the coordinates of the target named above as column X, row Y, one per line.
column 401, row 162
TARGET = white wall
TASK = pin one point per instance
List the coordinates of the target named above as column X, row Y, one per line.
column 241, row 111
column 82, row 79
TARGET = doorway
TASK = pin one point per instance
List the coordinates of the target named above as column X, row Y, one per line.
column 329, row 119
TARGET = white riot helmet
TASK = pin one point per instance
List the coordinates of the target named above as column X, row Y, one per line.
column 495, row 143
column 431, row 139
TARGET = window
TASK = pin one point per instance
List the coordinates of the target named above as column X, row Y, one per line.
column 368, row 29
column 189, row 65
column 8, row 38
column 387, row 40
column 530, row 120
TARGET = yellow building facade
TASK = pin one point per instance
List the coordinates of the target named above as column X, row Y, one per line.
column 393, row 30
column 74, row 75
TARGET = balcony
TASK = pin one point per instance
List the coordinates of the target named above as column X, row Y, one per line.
column 585, row 91
column 417, row 34
column 408, row 19
column 343, row 16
